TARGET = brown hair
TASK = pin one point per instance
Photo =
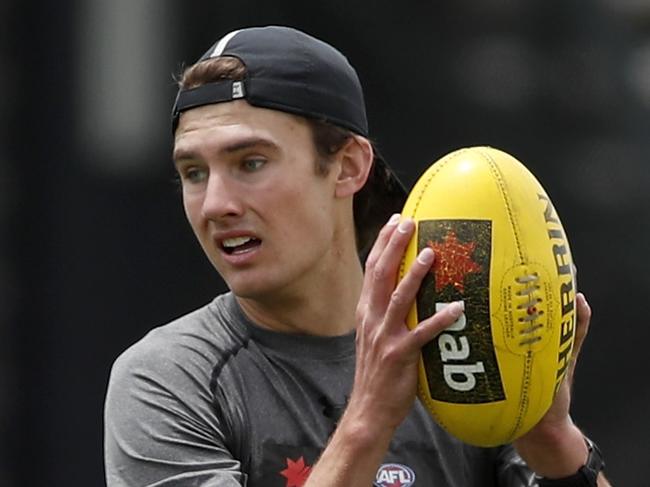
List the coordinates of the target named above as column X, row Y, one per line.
column 369, row 213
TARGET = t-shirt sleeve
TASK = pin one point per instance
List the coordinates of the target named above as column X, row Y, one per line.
column 512, row 471
column 161, row 426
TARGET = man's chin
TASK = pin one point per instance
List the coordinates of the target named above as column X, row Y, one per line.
column 250, row 290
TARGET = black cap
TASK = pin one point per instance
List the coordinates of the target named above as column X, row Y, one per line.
column 293, row 72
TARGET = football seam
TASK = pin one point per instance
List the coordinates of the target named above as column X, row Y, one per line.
column 524, row 397
column 438, row 167
column 502, row 189
column 422, row 393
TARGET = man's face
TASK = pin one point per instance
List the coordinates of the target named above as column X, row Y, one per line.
column 264, row 218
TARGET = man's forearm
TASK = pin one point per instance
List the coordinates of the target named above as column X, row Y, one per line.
column 353, row 454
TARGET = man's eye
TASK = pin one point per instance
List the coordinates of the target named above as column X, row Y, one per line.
column 253, row 164
column 195, row 175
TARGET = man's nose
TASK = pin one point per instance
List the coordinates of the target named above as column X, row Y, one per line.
column 222, row 198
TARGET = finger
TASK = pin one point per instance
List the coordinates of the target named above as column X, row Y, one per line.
column 582, row 326
column 431, row 327
column 384, row 274
column 377, row 248
column 583, row 320
column 405, row 293
column 382, row 239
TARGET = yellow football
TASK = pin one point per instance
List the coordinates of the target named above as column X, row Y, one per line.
column 500, row 249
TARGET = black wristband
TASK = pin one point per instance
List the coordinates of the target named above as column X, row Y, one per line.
column 586, row 476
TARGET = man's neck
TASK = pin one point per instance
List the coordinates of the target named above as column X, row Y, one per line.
column 325, row 306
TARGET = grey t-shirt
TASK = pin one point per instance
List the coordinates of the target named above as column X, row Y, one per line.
column 211, row 399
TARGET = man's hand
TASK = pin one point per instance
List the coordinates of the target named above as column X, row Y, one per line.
column 555, row 447
column 387, row 360
column 387, row 351
column 558, row 414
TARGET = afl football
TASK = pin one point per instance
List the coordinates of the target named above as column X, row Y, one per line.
column 500, row 248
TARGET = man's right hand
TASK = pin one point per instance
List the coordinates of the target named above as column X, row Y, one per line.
column 387, row 359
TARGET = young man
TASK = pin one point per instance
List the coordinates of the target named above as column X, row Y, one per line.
column 304, row 373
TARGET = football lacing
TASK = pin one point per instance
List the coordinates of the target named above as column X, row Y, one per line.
column 530, row 341
column 534, row 277
column 532, row 313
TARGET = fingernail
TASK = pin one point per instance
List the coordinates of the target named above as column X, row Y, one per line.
column 404, row 226
column 456, row 308
column 426, row 256
column 394, row 219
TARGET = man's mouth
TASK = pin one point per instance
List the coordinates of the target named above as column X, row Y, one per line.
column 239, row 245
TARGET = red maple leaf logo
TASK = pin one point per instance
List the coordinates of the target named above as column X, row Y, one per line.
column 296, row 472
column 453, row 261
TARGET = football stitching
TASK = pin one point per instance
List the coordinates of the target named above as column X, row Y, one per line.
column 438, row 167
column 524, row 398
column 429, row 402
column 502, row 187
column 435, row 169
column 422, row 392
column 526, row 377
column 529, row 311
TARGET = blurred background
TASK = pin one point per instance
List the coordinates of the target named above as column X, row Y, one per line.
column 94, row 248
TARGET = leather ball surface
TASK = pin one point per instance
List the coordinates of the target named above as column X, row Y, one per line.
column 500, row 248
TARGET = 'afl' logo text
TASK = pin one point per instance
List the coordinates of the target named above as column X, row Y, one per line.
column 394, row 475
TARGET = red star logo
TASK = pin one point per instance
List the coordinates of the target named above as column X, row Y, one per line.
column 296, row 472
column 453, row 262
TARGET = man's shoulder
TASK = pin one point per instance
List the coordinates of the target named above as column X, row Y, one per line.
column 201, row 338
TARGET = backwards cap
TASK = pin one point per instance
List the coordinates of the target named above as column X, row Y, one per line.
column 290, row 71
column 287, row 70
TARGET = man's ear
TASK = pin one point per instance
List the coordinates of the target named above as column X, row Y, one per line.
column 356, row 158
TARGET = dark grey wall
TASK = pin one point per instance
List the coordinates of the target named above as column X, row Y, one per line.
column 95, row 249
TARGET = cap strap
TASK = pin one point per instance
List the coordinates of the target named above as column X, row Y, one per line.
column 217, row 92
